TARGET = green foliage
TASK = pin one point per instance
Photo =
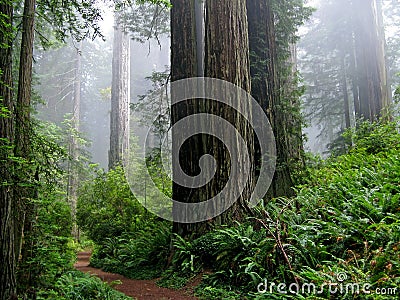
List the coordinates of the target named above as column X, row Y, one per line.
column 345, row 220
column 76, row 285
column 50, row 241
column 107, row 207
column 289, row 16
column 48, row 245
column 141, row 255
column 373, row 137
column 145, row 19
column 204, row 291
column 78, row 19
column 156, row 100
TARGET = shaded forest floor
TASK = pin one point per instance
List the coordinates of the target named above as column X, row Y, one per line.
column 139, row 289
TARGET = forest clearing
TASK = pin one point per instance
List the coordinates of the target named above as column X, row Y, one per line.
column 199, row 149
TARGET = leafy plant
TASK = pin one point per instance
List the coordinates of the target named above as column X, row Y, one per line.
column 107, row 207
column 76, row 285
column 140, row 255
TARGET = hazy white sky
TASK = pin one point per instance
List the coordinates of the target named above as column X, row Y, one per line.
column 108, row 21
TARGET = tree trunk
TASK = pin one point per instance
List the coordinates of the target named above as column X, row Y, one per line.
column 345, row 93
column 7, row 234
column 386, row 84
column 291, row 119
column 120, row 95
column 370, row 60
column 227, row 58
column 271, row 88
column 354, row 82
column 25, row 192
column 186, row 62
column 73, row 176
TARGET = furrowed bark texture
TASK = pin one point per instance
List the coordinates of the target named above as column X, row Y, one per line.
column 226, row 57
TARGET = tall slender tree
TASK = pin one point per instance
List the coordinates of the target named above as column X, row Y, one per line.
column 73, row 175
column 17, row 179
column 25, row 191
column 120, row 95
column 7, row 204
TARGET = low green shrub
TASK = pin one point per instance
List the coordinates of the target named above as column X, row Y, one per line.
column 76, row 285
column 139, row 255
column 107, row 207
column 50, row 243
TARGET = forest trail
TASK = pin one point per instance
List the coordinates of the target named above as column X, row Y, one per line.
column 138, row 289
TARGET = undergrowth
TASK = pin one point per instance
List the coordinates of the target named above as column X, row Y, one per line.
column 139, row 255
column 75, row 285
column 342, row 228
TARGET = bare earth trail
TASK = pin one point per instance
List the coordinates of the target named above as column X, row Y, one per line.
column 139, row 289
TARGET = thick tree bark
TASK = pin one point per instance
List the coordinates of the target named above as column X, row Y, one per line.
column 73, row 176
column 186, row 62
column 226, row 57
column 120, row 95
column 7, row 235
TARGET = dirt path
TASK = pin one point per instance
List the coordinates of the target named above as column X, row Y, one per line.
column 139, row 289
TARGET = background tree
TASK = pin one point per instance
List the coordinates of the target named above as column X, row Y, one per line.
column 273, row 83
column 343, row 61
column 138, row 21
column 120, row 95
column 73, row 171
column 369, row 44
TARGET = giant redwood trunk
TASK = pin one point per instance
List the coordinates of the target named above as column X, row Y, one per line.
column 270, row 86
column 120, row 95
column 185, row 62
column 7, row 236
column 226, row 57
column 370, row 61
